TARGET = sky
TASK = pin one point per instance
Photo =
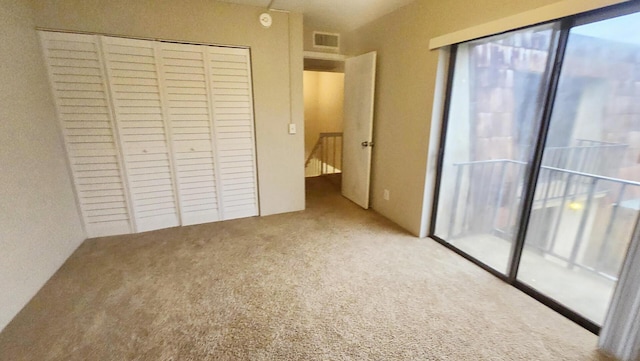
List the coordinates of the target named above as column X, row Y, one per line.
column 625, row 29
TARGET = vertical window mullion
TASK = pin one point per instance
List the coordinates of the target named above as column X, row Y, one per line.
column 554, row 62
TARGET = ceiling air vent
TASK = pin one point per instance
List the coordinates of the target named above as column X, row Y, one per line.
column 326, row 40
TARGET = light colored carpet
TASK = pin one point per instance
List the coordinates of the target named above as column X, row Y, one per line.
column 334, row 282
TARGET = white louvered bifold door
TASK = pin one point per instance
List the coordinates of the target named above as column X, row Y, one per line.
column 230, row 82
column 78, row 86
column 136, row 94
column 188, row 109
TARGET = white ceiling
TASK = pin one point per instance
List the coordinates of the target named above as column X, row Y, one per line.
column 338, row 15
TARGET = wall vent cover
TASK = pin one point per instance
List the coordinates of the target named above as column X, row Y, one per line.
column 326, row 40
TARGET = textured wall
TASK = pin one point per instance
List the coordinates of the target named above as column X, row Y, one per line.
column 39, row 221
column 323, row 103
column 406, row 80
column 276, row 55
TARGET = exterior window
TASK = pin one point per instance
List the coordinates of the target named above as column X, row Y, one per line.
column 539, row 179
column 494, row 113
column 588, row 192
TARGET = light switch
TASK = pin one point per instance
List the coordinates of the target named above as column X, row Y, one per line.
column 292, row 128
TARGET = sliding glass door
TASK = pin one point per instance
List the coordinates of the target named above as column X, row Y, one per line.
column 587, row 195
column 494, row 112
column 539, row 176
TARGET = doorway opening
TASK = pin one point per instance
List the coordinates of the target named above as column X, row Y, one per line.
column 324, row 116
column 339, row 104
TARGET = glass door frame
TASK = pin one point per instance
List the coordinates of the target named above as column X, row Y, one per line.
column 555, row 62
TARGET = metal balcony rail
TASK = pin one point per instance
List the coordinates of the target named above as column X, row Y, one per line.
column 581, row 219
column 326, row 155
column 588, row 156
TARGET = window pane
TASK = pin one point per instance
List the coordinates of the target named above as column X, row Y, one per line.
column 492, row 126
column 587, row 196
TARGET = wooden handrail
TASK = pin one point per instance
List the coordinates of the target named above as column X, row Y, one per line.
column 313, row 151
column 319, row 144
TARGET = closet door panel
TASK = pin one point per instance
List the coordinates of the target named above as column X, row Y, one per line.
column 230, row 79
column 136, row 94
column 189, row 113
column 81, row 97
column 158, row 134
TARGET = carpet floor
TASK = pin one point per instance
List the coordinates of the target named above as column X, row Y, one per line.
column 333, row 282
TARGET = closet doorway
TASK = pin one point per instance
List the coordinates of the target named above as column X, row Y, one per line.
column 158, row 134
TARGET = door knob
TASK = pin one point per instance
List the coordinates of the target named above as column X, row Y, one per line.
column 366, row 144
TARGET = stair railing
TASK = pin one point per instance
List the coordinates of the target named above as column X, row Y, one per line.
column 326, row 155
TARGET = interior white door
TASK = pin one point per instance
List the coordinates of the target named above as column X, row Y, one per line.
column 81, row 97
column 132, row 69
column 189, row 112
column 359, row 90
column 231, row 94
column 158, row 134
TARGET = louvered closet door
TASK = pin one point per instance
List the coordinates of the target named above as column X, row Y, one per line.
column 135, row 90
column 189, row 113
column 81, row 97
column 230, row 81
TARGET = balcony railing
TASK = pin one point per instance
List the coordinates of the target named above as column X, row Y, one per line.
column 579, row 218
column 587, row 156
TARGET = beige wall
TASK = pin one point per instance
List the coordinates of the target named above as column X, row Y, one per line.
column 406, row 79
column 276, row 55
column 39, row 221
column 309, row 28
column 323, row 103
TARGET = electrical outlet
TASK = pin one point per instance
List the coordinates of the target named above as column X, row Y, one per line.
column 385, row 195
column 292, row 128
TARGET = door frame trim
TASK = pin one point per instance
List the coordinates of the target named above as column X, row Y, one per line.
column 318, row 55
